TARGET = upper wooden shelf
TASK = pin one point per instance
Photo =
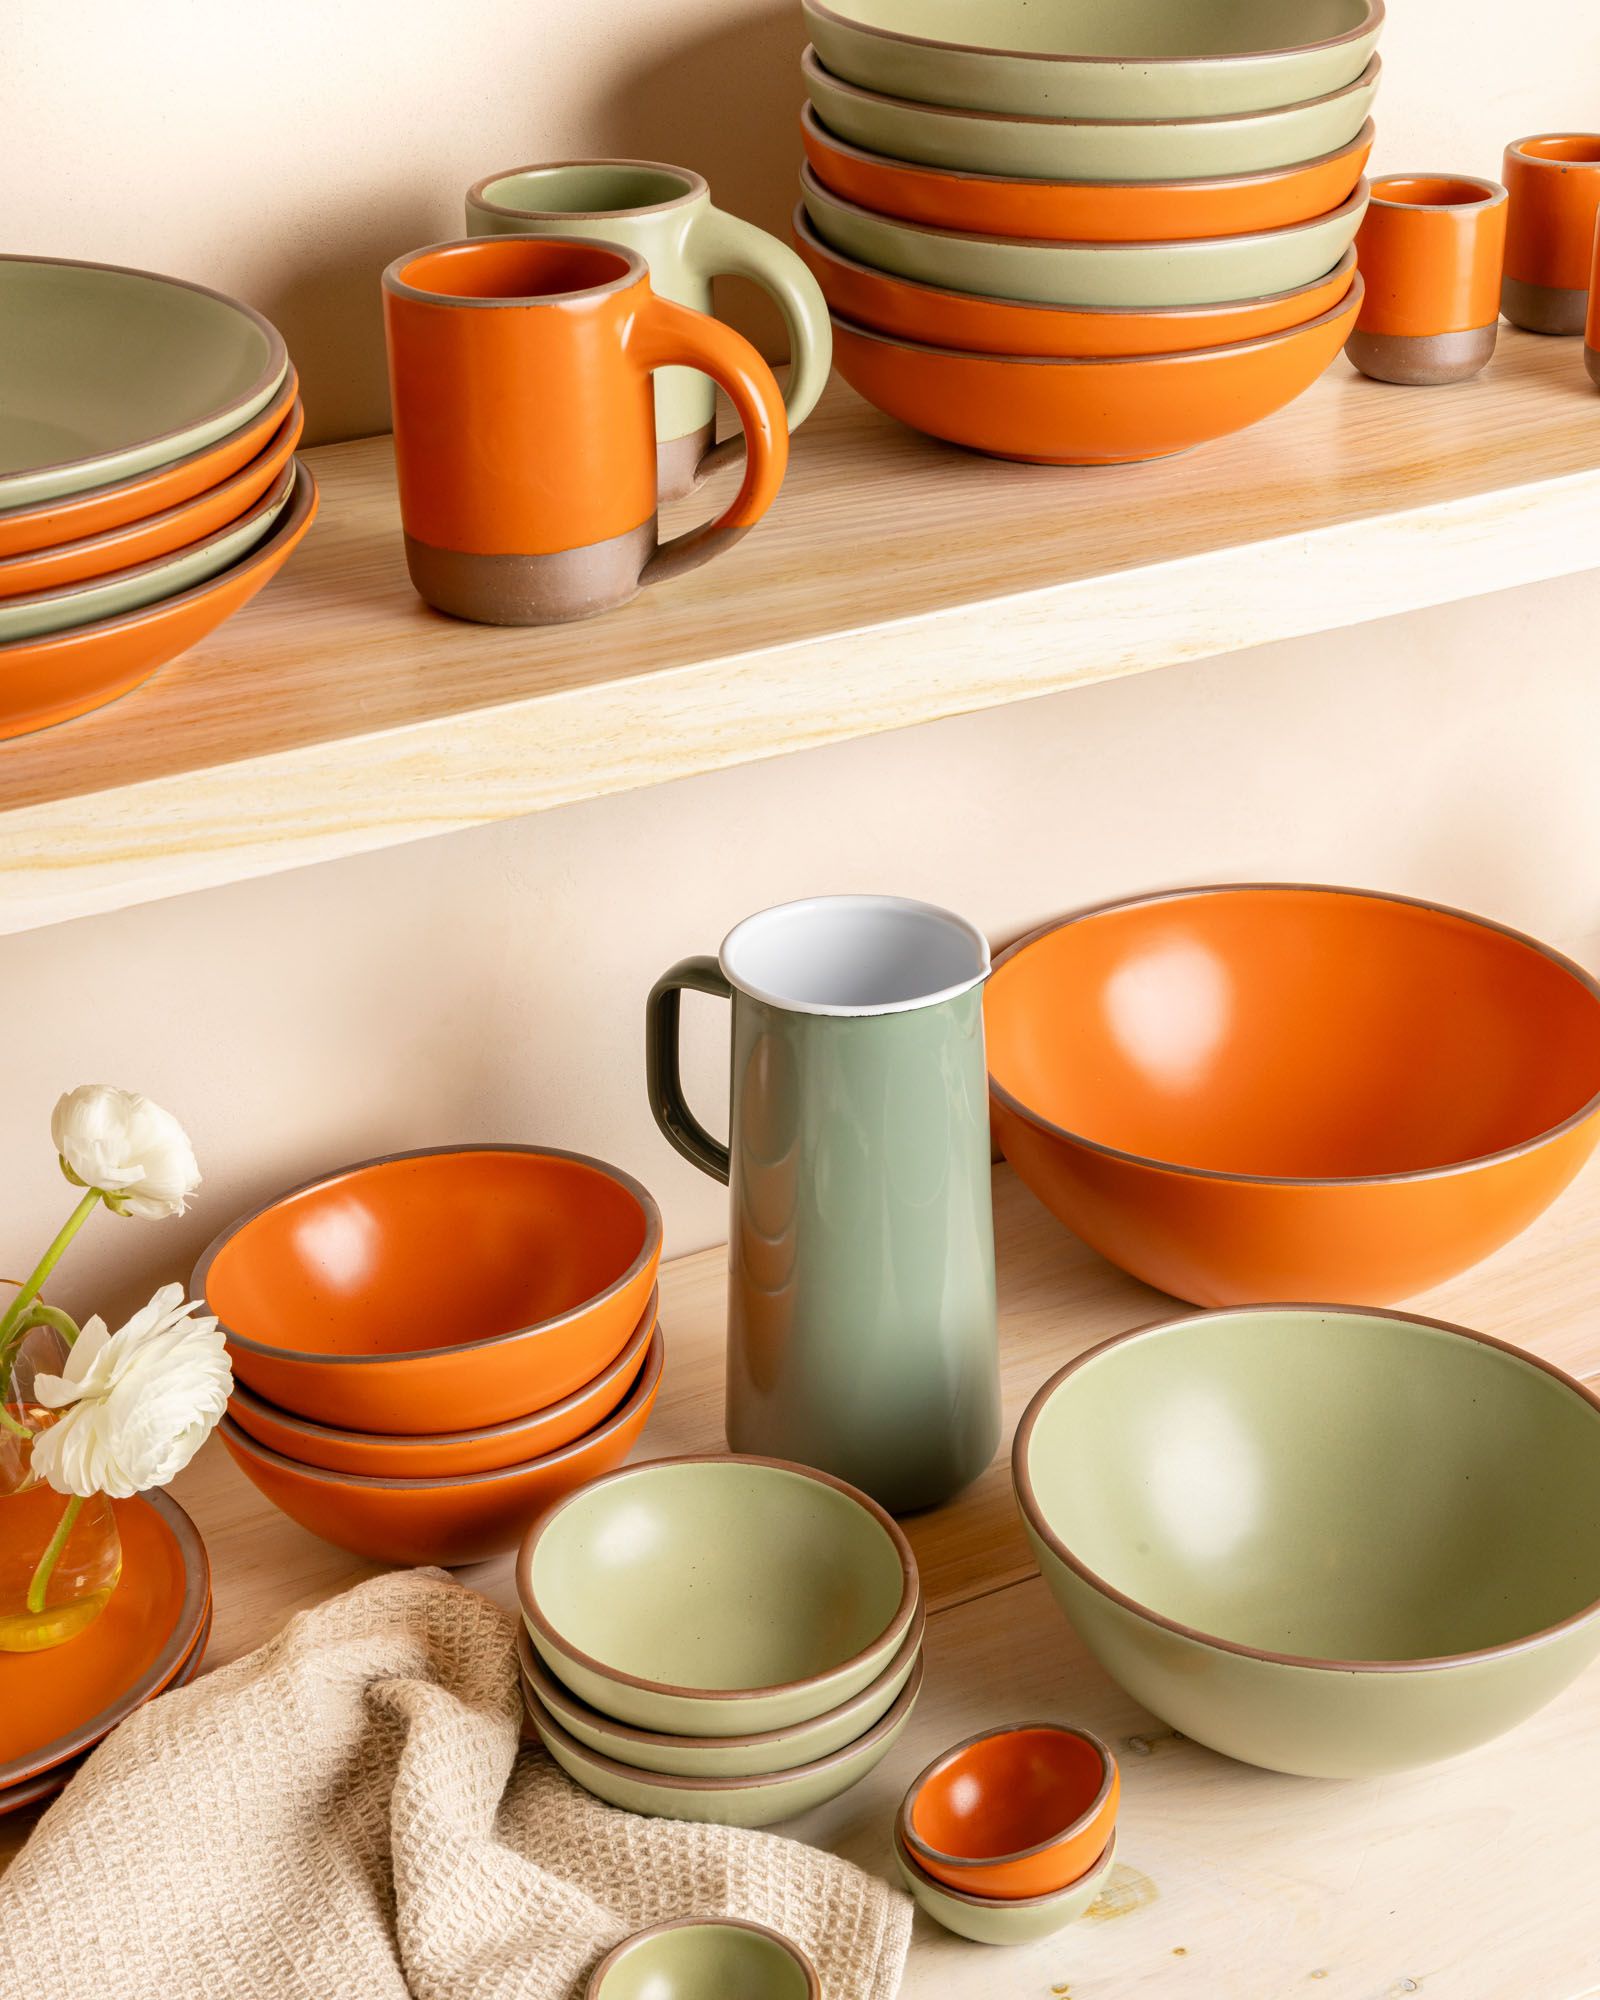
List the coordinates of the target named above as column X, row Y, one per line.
column 897, row 581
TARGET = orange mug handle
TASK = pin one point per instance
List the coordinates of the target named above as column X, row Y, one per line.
column 663, row 334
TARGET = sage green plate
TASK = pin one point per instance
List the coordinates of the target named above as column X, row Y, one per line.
column 716, row 1596
column 988, row 1920
column 727, row 1801
column 1326, row 1540
column 109, row 372
column 1099, row 58
column 1205, row 270
column 694, row 1960
column 1065, row 149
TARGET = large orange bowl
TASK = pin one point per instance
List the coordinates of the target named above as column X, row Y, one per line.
column 1089, row 412
column 442, row 1290
column 1273, row 1091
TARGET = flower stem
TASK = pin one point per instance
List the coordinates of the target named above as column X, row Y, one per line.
column 52, row 1555
column 47, row 1263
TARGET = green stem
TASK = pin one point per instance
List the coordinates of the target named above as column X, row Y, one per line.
column 52, row 1555
column 9, row 1422
column 46, row 1264
column 39, row 1314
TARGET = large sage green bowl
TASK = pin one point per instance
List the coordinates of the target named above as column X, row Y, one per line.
column 716, row 1596
column 1099, row 58
column 1196, row 271
column 692, row 1959
column 727, row 1801
column 991, row 1920
column 1325, row 1540
column 1147, row 148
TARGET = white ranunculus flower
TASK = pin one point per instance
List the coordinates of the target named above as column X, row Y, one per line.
column 138, row 1155
column 138, row 1403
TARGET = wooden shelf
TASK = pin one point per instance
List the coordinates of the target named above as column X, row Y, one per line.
column 897, row 581
column 1469, row 1880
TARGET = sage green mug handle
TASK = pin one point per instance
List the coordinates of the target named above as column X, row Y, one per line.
column 664, row 1069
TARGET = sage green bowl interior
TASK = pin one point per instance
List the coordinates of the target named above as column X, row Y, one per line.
column 705, row 1961
column 1325, row 1540
column 988, row 1919
column 1099, row 58
column 1142, row 148
column 716, row 1596
column 108, row 372
column 1204, row 270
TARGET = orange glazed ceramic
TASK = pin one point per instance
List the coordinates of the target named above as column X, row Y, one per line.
column 1553, row 181
column 1014, row 1812
column 449, row 1520
column 1275, row 1091
column 1591, row 330
column 884, row 303
column 1084, row 211
column 1431, row 247
column 1089, row 412
column 524, row 425
column 449, row 1289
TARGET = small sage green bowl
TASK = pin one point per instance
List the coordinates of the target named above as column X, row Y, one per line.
column 991, row 1920
column 718, row 1959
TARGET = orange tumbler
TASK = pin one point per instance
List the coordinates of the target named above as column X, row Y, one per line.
column 1591, row 329
column 1554, row 182
column 1431, row 248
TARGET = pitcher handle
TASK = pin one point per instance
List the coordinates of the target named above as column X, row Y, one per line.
column 664, row 1068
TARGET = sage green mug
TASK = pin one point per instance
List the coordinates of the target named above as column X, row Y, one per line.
column 861, row 1301
column 666, row 215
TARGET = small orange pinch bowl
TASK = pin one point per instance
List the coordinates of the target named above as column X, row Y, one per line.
column 1013, row 1813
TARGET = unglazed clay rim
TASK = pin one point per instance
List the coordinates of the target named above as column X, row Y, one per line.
column 1096, row 1871
column 1538, row 1139
column 829, row 1009
column 1033, row 1514
column 192, row 1608
column 888, row 1724
column 894, row 1631
column 638, row 1398
column 395, row 284
column 649, row 1250
column 595, row 1990
column 1080, row 1823
column 695, row 187
column 1548, row 160
column 1493, row 192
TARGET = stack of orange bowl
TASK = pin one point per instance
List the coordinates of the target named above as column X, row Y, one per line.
column 148, row 483
column 432, row 1348
column 1104, row 233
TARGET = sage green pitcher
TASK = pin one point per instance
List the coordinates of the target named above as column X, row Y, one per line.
column 861, row 1301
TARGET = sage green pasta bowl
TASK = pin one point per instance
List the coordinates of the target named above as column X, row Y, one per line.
column 694, row 1960
column 989, row 1919
column 1325, row 1540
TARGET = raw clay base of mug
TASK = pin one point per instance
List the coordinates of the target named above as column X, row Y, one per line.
column 1543, row 308
column 1422, row 360
column 532, row 590
column 1591, row 361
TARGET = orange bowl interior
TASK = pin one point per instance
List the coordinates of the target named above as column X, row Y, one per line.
column 1010, row 1792
column 1293, row 1033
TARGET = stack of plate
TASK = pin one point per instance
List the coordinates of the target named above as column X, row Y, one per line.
column 1104, row 234
column 148, row 483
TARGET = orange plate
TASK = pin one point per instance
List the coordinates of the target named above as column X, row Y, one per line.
column 1089, row 412
column 1274, row 1091
column 448, row 1289
column 967, row 320
column 59, row 1703
column 446, row 1521
column 1084, row 211
column 52, row 679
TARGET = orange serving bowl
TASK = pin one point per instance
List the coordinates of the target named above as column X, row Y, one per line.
column 449, row 1520
column 982, row 325
column 1084, row 211
column 1272, row 1091
column 444, row 1454
column 1014, row 1812
column 449, row 1289
column 1089, row 412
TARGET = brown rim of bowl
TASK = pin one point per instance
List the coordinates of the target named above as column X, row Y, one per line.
column 636, row 1350
column 1553, row 159
column 640, row 1394
column 1078, row 1824
column 890, row 1721
column 1033, row 1516
column 910, row 1593
column 1371, row 19
column 694, row 185
column 396, row 284
column 1101, row 1865
column 193, row 1607
column 649, row 1251
column 593, row 1991
column 539, row 1677
column 1556, row 958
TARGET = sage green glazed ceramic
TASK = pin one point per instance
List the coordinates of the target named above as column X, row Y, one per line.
column 988, row 1920
column 1202, row 270
column 861, row 1309
column 666, row 215
column 1066, row 149
column 1328, row 1541
column 716, row 1596
column 690, row 1960
column 727, row 1801
column 108, row 372
column 1099, row 58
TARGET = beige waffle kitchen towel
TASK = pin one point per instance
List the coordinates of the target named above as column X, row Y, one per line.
column 346, row 1815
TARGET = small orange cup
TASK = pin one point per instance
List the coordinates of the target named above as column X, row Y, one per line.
column 1431, row 248
column 1554, row 184
column 1591, row 328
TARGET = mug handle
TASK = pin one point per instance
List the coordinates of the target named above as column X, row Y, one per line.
column 662, row 334
column 663, row 1069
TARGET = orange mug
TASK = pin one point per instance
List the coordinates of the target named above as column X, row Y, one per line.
column 1554, row 181
column 1431, row 248
column 1591, row 325
column 524, row 425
